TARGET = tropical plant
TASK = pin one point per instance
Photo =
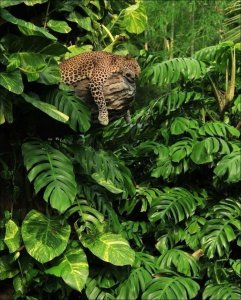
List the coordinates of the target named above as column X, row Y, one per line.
column 145, row 210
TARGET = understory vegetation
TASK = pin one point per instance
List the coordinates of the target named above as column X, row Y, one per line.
column 149, row 209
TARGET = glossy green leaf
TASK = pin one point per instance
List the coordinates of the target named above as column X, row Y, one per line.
column 26, row 28
column 7, row 268
column 182, row 261
column 73, row 268
column 73, row 107
column 112, row 248
column 47, row 108
column 44, row 238
column 135, row 19
column 6, row 113
column 51, row 170
column 171, row 288
column 12, row 81
column 59, row 26
column 83, row 22
column 229, row 167
column 12, row 236
column 223, row 290
column 106, row 183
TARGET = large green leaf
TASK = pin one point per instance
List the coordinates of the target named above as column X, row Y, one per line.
column 107, row 183
column 7, row 3
column 108, row 167
column 134, row 285
column 12, row 81
column 217, row 235
column 224, row 290
column 208, row 149
column 59, row 26
column 134, row 19
column 219, row 129
column 73, row 268
column 112, row 248
column 47, row 108
column 171, row 288
column 72, row 106
column 182, row 261
column 26, row 28
column 175, row 204
column 12, row 236
column 173, row 70
column 50, row 169
column 6, row 113
column 229, row 167
column 7, row 268
column 44, row 238
column 83, row 22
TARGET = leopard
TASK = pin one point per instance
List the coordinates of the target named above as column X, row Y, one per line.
column 98, row 66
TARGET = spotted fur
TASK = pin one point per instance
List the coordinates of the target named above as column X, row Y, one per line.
column 97, row 66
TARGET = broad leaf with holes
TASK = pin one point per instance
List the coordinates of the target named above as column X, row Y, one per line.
column 134, row 285
column 217, row 235
column 109, row 247
column 229, row 167
column 72, row 106
column 51, row 170
column 171, row 288
column 224, row 290
column 44, row 238
column 175, row 204
column 73, row 268
column 181, row 261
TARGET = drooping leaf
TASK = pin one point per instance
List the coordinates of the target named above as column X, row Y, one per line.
column 44, row 238
column 111, row 248
column 47, row 108
column 12, row 81
column 6, row 113
column 73, row 268
column 26, row 28
column 59, row 26
column 50, row 169
column 12, row 236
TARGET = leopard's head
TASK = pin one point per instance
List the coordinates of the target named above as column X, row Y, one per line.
column 133, row 65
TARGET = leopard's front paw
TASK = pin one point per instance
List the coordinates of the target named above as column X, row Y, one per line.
column 103, row 119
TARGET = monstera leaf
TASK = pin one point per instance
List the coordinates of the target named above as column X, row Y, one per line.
column 51, row 170
column 171, row 288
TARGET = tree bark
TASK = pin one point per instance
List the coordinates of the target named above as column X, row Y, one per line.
column 119, row 91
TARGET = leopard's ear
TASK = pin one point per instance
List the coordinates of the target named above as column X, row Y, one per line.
column 128, row 56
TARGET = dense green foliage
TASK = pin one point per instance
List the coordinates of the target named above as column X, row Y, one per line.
column 145, row 210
